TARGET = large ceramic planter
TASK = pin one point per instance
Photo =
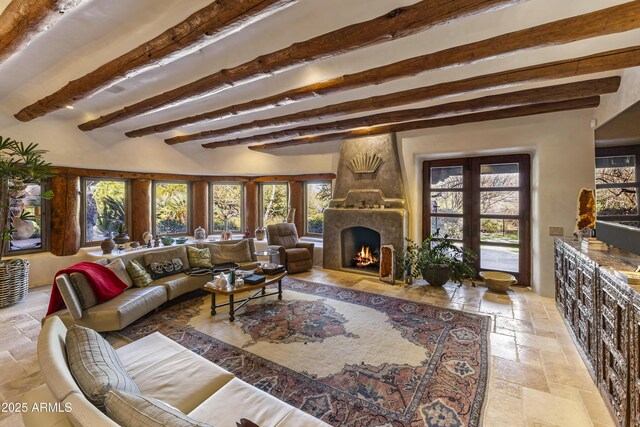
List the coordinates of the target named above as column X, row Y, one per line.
column 14, row 281
column 437, row 275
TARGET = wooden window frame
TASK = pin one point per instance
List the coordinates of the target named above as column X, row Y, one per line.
column 154, row 221
column 305, row 206
column 83, row 206
column 471, row 205
column 242, row 205
column 624, row 150
column 261, row 198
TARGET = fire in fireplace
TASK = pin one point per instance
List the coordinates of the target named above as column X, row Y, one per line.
column 365, row 258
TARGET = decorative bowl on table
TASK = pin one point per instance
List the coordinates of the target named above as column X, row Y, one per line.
column 181, row 240
column 497, row 281
column 167, row 240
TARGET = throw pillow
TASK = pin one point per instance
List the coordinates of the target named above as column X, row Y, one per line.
column 168, row 268
column 118, row 267
column 139, row 276
column 199, row 258
column 168, row 255
column 95, row 365
column 84, row 291
column 130, row 410
column 230, row 252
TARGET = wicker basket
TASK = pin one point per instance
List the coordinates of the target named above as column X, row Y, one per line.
column 14, row 281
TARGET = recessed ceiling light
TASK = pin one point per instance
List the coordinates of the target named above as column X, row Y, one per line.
column 69, row 107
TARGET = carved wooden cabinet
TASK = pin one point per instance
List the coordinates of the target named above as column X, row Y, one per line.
column 613, row 344
column 586, row 310
column 602, row 313
column 558, row 262
column 634, row 360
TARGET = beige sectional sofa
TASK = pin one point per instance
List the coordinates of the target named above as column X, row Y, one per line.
column 135, row 302
column 164, row 370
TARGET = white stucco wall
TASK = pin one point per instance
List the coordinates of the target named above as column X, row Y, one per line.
column 562, row 158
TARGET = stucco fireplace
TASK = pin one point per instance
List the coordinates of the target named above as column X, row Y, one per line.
column 368, row 209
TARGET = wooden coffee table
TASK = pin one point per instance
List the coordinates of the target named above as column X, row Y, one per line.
column 261, row 293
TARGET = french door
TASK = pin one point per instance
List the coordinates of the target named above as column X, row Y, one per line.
column 482, row 203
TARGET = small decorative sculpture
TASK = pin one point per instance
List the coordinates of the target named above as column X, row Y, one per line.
column 586, row 210
column 156, row 241
column 147, row 238
column 365, row 163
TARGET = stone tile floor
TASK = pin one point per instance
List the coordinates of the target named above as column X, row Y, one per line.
column 537, row 376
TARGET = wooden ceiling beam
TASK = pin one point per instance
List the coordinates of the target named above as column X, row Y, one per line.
column 211, row 23
column 618, row 19
column 23, row 20
column 600, row 62
column 398, row 23
column 521, row 111
column 104, row 173
column 556, row 93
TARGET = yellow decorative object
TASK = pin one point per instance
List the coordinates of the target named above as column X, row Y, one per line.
column 586, row 210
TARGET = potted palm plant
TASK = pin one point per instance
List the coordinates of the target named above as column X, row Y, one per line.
column 20, row 165
column 438, row 260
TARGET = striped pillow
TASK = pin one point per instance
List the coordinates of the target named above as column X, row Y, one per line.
column 95, row 365
column 130, row 410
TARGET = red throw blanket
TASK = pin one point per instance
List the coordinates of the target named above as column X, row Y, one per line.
column 103, row 281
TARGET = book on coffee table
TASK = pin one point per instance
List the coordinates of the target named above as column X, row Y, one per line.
column 254, row 279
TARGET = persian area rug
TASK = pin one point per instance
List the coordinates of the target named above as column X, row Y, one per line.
column 348, row 357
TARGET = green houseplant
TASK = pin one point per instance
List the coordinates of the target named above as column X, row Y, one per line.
column 20, row 165
column 438, row 260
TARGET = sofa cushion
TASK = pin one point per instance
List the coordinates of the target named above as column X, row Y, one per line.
column 84, row 291
column 131, row 410
column 139, row 275
column 158, row 270
column 199, row 258
column 230, row 252
column 168, row 255
column 95, row 365
column 123, row 309
column 285, row 241
column 298, row 254
column 179, row 284
column 230, row 403
column 164, row 370
column 120, row 270
column 69, row 296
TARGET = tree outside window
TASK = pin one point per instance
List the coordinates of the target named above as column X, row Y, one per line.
column 226, row 207
column 317, row 198
column 275, row 203
column 104, row 208
column 171, row 207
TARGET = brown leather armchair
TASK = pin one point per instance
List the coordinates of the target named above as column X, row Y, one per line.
column 296, row 256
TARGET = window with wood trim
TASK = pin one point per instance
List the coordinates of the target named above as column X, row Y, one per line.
column 274, row 202
column 171, row 201
column 617, row 183
column 31, row 221
column 104, row 208
column 482, row 203
column 317, row 196
column 226, row 207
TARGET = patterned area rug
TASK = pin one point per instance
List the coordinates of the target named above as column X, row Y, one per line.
column 348, row 357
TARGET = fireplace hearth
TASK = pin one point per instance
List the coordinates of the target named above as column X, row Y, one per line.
column 368, row 209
